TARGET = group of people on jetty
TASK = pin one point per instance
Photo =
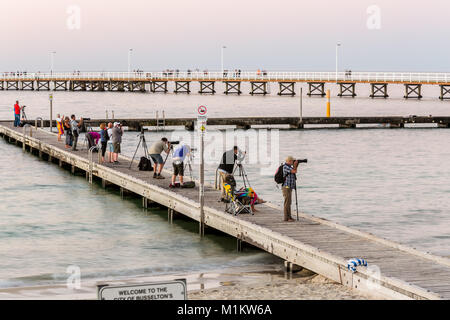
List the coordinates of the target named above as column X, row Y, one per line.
column 109, row 138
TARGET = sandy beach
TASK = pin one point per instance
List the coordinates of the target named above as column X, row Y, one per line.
column 252, row 283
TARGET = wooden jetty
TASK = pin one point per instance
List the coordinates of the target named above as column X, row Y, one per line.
column 248, row 122
column 313, row 243
column 259, row 82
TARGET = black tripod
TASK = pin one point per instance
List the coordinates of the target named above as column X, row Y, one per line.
column 243, row 174
column 24, row 115
column 296, row 196
column 144, row 146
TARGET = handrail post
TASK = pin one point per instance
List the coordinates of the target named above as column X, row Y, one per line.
column 24, row 134
column 91, row 163
column 36, row 122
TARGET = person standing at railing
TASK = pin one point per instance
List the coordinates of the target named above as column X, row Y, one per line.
column 75, row 126
column 17, row 110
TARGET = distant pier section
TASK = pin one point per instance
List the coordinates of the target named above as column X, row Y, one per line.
column 207, row 82
column 160, row 123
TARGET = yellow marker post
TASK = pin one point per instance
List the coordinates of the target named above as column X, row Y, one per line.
column 328, row 104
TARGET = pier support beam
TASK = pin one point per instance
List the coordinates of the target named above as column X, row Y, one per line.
column 445, row 90
column 182, row 87
column 144, row 203
column 78, row 85
column 60, row 85
column 287, row 89
column 28, row 85
column 379, row 90
column 12, row 85
column 239, row 245
column 347, row 87
column 413, row 91
column 2, row 85
column 207, row 87
column 43, row 85
column 259, row 88
column 159, row 86
column 316, row 89
column 232, row 87
column 170, row 213
column 136, row 86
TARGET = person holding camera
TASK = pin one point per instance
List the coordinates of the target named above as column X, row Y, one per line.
column 17, row 111
column 289, row 184
column 75, row 127
column 155, row 153
column 226, row 166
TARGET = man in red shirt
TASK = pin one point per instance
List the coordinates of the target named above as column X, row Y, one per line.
column 17, row 110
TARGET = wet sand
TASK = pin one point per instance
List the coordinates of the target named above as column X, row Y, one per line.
column 252, row 283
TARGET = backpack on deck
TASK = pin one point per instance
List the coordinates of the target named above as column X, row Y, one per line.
column 279, row 175
column 189, row 184
column 145, row 164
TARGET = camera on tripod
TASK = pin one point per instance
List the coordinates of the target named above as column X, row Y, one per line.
column 143, row 130
column 302, row 161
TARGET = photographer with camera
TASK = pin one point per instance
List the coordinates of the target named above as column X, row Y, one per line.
column 17, row 111
column 179, row 155
column 155, row 153
column 226, row 166
column 287, row 176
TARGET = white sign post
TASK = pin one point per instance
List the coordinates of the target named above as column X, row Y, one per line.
column 173, row 290
column 51, row 112
column 201, row 122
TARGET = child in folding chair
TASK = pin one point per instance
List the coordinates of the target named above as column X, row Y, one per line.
column 234, row 204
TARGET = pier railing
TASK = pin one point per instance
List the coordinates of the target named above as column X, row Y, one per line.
column 279, row 76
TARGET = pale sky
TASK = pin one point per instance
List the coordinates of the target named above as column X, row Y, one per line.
column 272, row 35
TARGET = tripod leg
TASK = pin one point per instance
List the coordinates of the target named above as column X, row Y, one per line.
column 131, row 163
column 296, row 201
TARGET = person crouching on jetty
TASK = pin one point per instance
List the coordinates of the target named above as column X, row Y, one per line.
column 60, row 126
column 155, row 153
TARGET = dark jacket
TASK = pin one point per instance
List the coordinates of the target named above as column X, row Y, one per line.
column 228, row 160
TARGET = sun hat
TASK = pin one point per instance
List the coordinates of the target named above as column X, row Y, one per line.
column 290, row 158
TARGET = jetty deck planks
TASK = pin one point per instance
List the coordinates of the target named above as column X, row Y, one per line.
column 316, row 244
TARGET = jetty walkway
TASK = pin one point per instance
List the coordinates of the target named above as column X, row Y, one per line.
column 259, row 82
column 313, row 243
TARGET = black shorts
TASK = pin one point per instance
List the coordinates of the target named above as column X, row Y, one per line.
column 178, row 169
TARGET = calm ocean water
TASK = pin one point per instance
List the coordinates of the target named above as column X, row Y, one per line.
column 393, row 183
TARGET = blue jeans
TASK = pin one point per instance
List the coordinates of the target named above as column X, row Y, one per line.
column 16, row 120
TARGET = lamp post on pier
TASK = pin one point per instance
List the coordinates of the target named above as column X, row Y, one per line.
column 129, row 60
column 52, row 61
column 221, row 56
column 337, row 53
